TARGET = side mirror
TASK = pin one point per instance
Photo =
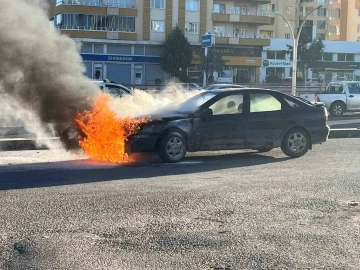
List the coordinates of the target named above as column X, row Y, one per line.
column 207, row 112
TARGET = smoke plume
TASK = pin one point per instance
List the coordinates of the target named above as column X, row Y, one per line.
column 42, row 78
column 40, row 69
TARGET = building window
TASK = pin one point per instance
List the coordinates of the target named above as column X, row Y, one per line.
column 281, row 55
column 280, row 72
column 321, row 36
column 307, row 10
column 219, row 8
column 192, row 5
column 267, row 8
column 95, row 22
column 327, row 56
column 287, row 36
column 358, row 28
column 158, row 4
column 191, row 28
column 346, row 57
column 219, row 31
column 359, row 12
column 321, row 12
column 321, row 25
column 158, row 26
column 289, row 10
column 350, row 57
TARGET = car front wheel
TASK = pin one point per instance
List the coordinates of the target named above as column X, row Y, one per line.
column 296, row 143
column 172, row 147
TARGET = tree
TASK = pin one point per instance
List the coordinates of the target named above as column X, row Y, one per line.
column 177, row 54
column 307, row 54
column 215, row 63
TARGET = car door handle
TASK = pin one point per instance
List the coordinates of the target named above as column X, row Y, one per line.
column 351, row 96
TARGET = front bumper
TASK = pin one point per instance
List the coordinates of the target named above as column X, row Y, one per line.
column 319, row 134
column 141, row 143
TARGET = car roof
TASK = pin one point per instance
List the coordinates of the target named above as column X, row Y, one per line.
column 239, row 90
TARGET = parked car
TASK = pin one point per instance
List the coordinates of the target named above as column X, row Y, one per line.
column 223, row 86
column 312, row 83
column 190, row 86
column 339, row 97
column 112, row 88
column 256, row 119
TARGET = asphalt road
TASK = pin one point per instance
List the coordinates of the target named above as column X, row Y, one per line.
column 346, row 121
column 231, row 210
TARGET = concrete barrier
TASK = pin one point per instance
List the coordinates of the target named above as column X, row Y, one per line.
column 11, row 144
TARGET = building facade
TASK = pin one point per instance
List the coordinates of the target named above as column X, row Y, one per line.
column 340, row 61
column 335, row 20
column 122, row 39
column 344, row 20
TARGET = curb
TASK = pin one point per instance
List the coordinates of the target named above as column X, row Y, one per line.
column 344, row 133
column 11, row 144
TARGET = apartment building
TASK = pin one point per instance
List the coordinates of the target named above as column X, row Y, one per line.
column 344, row 20
column 122, row 39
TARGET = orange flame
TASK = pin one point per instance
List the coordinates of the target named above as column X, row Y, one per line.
column 105, row 134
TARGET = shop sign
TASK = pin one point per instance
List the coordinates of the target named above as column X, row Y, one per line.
column 276, row 63
column 120, row 58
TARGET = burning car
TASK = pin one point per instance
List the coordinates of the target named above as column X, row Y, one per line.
column 255, row 119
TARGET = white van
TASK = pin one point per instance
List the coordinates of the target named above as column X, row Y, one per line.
column 112, row 88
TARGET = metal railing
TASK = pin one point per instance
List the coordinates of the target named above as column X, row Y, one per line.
column 247, row 13
column 89, row 28
column 98, row 3
column 242, row 36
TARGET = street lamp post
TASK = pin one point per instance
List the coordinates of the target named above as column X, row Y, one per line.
column 295, row 45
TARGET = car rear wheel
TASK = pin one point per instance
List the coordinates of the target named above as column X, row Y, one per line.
column 296, row 143
column 337, row 109
column 172, row 147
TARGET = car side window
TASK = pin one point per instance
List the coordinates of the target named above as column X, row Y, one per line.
column 228, row 105
column 260, row 102
column 354, row 88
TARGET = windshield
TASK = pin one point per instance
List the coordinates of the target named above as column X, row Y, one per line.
column 192, row 104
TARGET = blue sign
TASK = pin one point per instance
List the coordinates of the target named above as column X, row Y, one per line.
column 207, row 41
column 120, row 58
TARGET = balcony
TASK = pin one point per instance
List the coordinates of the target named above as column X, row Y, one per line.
column 256, row 1
column 249, row 40
column 334, row 36
column 334, row 4
column 333, row 20
column 99, row 3
column 242, row 17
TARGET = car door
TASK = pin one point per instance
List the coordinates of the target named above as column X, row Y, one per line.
column 223, row 126
column 353, row 96
column 269, row 117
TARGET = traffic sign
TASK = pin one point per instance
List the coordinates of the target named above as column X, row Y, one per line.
column 207, row 41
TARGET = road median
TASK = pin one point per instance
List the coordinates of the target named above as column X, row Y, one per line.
column 28, row 143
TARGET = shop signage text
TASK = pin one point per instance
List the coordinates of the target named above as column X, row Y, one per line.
column 120, row 58
column 276, row 63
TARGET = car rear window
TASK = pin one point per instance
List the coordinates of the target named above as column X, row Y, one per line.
column 291, row 103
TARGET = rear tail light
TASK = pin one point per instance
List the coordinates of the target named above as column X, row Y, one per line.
column 326, row 114
column 317, row 99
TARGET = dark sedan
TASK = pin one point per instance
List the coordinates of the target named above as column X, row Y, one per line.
column 256, row 119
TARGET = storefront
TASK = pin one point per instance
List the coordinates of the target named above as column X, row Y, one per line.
column 279, row 68
column 124, row 63
column 243, row 62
